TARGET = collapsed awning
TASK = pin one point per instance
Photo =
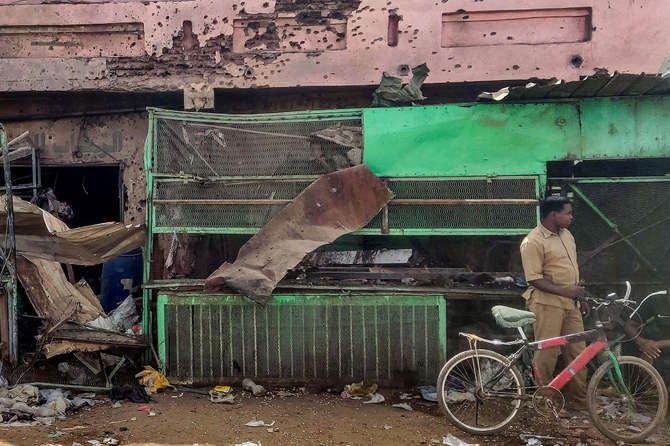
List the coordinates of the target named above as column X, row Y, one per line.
column 43, row 236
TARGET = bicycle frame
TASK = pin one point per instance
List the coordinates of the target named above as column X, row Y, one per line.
column 597, row 335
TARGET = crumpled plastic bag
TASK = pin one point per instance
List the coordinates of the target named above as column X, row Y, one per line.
column 221, row 397
column 125, row 315
column 452, row 440
column 360, row 389
column 153, row 379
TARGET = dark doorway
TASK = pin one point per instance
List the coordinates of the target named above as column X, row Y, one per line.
column 94, row 192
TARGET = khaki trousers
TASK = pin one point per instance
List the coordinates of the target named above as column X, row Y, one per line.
column 551, row 322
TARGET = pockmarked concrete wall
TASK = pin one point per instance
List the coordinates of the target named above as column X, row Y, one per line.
column 204, row 44
column 104, row 139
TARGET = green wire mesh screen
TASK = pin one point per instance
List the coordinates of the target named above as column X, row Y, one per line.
column 641, row 211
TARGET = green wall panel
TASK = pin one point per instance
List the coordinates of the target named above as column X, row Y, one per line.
column 469, row 140
column 626, row 127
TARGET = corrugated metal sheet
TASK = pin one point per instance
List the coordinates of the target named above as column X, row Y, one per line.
column 616, row 84
column 208, row 339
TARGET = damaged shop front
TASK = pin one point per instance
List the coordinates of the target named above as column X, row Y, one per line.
column 54, row 330
column 271, row 257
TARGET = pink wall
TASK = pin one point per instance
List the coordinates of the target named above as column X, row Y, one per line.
column 135, row 45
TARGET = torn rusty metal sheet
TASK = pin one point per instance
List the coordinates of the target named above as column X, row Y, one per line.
column 41, row 235
column 51, row 294
column 334, row 205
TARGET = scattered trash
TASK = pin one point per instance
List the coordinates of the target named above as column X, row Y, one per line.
column 125, row 316
column 375, row 398
column 54, row 434
column 223, row 389
column 526, row 437
column 270, row 430
column 144, row 408
column 24, row 393
column 259, row 423
column 153, row 380
column 74, row 375
column 403, row 406
column 134, row 394
column 248, row 443
column 359, row 389
column 429, row 393
column 178, row 396
column 116, row 405
column 284, row 394
column 152, row 414
column 387, row 427
column 454, row 396
column 255, row 389
column 110, row 441
column 347, row 396
column 533, row 442
column 221, row 397
column 451, row 440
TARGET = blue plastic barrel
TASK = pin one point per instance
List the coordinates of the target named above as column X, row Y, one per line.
column 121, row 276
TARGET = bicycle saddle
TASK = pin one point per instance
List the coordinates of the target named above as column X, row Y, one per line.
column 511, row 317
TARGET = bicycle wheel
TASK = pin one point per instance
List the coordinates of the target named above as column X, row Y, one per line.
column 472, row 409
column 632, row 413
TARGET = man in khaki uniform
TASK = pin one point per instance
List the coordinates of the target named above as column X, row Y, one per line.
column 549, row 257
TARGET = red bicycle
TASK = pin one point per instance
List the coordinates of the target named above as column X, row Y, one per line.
column 482, row 391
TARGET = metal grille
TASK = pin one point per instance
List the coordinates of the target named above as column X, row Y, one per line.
column 206, row 339
column 430, row 217
column 257, row 148
column 638, row 209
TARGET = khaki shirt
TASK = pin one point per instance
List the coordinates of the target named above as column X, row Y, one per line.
column 550, row 256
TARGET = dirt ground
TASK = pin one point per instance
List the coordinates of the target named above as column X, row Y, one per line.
column 186, row 419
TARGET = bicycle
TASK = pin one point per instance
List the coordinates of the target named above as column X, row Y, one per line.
column 482, row 392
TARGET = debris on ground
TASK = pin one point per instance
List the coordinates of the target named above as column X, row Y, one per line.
column 255, row 389
column 347, row 396
column 259, row 423
column 25, row 404
column 375, row 398
column 216, row 396
column 153, row 380
column 134, row 394
column 429, row 393
column 451, row 440
column 403, row 406
column 360, row 389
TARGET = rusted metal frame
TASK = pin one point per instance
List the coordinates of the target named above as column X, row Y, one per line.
column 304, row 116
column 256, row 132
column 614, row 227
column 435, row 202
column 616, row 240
column 9, row 254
